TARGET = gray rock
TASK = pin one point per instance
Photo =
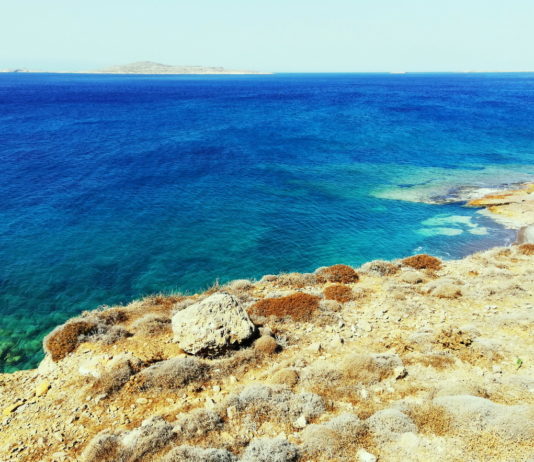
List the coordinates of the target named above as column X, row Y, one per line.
column 526, row 235
column 212, row 326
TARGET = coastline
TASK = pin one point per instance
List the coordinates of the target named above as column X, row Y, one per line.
column 438, row 343
column 512, row 208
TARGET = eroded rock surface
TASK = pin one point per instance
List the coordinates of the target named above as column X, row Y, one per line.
column 212, row 326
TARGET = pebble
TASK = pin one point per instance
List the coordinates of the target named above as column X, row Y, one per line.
column 365, row 326
column 141, row 401
column 365, row 456
column 42, row 388
column 315, row 347
column 301, row 422
column 12, row 408
column 231, row 412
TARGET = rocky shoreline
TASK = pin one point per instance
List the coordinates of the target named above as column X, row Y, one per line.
column 415, row 359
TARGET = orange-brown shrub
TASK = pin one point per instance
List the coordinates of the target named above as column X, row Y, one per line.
column 298, row 306
column 339, row 293
column 423, row 261
column 64, row 339
column 527, row 249
column 339, row 273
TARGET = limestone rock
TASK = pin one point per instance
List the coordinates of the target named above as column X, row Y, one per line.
column 364, row 456
column 212, row 326
column 412, row 277
column 42, row 388
column 526, row 235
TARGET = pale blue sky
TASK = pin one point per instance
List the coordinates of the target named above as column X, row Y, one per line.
column 271, row 35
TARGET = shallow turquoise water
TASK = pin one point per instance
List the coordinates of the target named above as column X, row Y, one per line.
column 115, row 187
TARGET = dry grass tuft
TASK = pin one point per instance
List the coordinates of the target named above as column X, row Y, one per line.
column 380, row 268
column 526, row 249
column 152, row 324
column 104, row 447
column 431, row 418
column 339, row 273
column 296, row 280
column 65, row 338
column 172, row 374
column 163, row 303
column 298, row 306
column 423, row 261
column 112, row 316
column 338, row 292
column 453, row 339
column 117, row 374
column 435, row 360
column 336, row 440
column 286, row 376
column 270, row 450
column 266, row 345
column 198, row 454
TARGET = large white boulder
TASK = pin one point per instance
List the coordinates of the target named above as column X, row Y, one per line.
column 212, row 326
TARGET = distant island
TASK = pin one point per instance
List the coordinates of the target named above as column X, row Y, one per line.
column 149, row 68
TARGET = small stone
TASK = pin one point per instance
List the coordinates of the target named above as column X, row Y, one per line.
column 365, row 456
column 12, row 408
column 364, row 394
column 231, row 412
column 412, row 277
column 301, row 422
column 400, row 372
column 338, row 340
column 216, row 388
column 315, row 347
column 42, row 388
column 141, row 401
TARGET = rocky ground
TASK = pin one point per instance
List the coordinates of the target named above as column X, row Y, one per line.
column 415, row 359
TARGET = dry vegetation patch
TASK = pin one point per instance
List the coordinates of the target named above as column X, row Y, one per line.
column 422, row 261
column 526, row 249
column 64, row 339
column 431, row 418
column 173, row 374
column 296, row 280
column 298, row 306
column 338, row 292
column 339, row 273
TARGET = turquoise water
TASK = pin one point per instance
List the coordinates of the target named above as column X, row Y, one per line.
column 115, row 187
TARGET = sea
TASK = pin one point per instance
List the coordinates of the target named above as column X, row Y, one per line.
column 116, row 187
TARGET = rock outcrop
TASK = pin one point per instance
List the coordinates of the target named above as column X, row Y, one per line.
column 212, row 326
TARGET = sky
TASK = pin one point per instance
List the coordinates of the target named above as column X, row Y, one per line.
column 270, row 35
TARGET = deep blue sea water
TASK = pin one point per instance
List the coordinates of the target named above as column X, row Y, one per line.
column 115, row 187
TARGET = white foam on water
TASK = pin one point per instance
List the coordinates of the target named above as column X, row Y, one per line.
column 440, row 231
column 454, row 220
column 479, row 231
